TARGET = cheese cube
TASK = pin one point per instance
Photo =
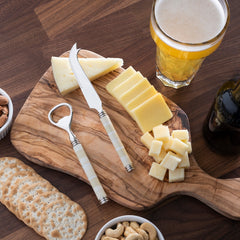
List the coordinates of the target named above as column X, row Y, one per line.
column 182, row 135
column 143, row 96
column 161, row 156
column 151, row 113
column 93, row 67
column 147, row 139
column 127, row 84
column 155, row 148
column 120, row 78
column 168, row 143
column 133, row 91
column 170, row 161
column 161, row 133
column 177, row 175
column 185, row 161
column 178, row 146
column 189, row 149
column 157, row 171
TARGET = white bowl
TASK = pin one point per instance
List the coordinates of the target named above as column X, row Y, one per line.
column 5, row 128
column 129, row 218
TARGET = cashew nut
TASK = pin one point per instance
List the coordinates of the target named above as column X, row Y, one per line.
column 150, row 229
column 3, row 119
column 3, row 100
column 122, row 238
column 134, row 225
column 104, row 237
column 125, row 224
column 143, row 233
column 134, row 236
column 115, row 233
column 129, row 230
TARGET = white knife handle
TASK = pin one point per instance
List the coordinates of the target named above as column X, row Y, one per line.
column 116, row 141
column 90, row 173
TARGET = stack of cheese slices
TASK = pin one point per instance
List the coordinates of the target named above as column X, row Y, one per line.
column 38, row 204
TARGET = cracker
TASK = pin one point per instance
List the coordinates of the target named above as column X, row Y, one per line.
column 17, row 187
column 28, row 196
column 63, row 219
column 39, row 205
column 6, row 160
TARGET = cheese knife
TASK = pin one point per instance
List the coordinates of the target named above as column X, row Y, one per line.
column 94, row 101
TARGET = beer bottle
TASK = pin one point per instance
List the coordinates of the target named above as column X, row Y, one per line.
column 221, row 128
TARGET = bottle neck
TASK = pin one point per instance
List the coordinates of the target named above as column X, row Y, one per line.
column 236, row 92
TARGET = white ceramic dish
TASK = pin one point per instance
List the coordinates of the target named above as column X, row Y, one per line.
column 123, row 218
column 5, row 128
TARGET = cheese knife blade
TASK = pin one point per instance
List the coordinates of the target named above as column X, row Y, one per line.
column 94, row 101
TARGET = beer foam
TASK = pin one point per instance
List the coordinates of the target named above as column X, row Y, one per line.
column 189, row 21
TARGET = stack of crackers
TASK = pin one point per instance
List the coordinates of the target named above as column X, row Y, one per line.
column 39, row 204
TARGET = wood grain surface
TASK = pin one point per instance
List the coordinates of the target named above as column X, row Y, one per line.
column 33, row 31
column 39, row 141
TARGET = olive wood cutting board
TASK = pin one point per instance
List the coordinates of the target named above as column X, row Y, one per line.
column 42, row 143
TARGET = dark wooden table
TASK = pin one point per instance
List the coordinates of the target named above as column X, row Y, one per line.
column 33, row 31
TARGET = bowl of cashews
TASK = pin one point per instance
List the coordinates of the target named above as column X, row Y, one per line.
column 129, row 227
column 6, row 113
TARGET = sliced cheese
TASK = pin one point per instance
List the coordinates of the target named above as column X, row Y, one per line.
column 133, row 91
column 120, row 78
column 143, row 96
column 182, row 135
column 154, row 111
column 127, row 84
column 157, row 171
column 185, row 161
column 93, row 67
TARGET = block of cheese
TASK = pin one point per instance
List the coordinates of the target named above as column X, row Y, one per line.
column 93, row 67
column 155, row 148
column 182, row 135
column 133, row 91
column 120, row 78
column 176, row 176
column 147, row 139
column 178, row 146
column 170, row 161
column 152, row 112
column 168, row 143
column 127, row 84
column 143, row 96
column 161, row 156
column 189, row 149
column 157, row 171
column 161, row 133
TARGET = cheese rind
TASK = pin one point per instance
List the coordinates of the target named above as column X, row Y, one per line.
column 123, row 76
column 152, row 112
column 93, row 67
column 157, row 171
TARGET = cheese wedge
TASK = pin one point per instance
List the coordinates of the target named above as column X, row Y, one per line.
column 154, row 111
column 93, row 67
column 120, row 78
column 128, row 83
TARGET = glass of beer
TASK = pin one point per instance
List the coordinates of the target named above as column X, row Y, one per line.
column 185, row 33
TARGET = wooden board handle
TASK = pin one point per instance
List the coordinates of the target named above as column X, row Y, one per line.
column 223, row 195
